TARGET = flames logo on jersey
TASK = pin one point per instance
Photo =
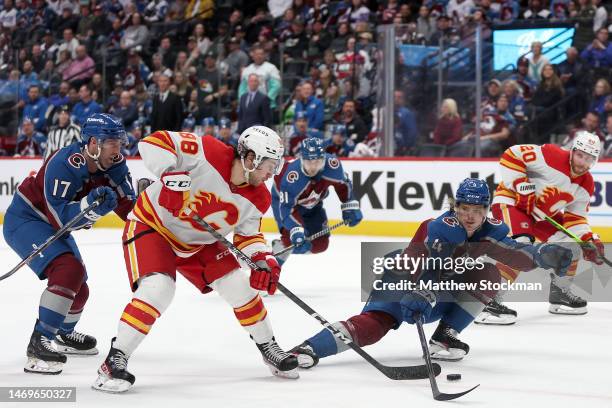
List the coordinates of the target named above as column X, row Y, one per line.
column 552, row 200
column 211, row 209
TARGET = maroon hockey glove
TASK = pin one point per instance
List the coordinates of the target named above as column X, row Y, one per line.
column 267, row 276
column 175, row 191
column 595, row 250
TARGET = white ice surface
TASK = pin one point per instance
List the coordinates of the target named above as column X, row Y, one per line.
column 198, row 354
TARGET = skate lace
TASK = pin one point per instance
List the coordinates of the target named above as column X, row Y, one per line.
column 274, row 352
column 452, row 333
column 76, row 336
column 570, row 295
column 503, row 308
column 119, row 360
column 46, row 343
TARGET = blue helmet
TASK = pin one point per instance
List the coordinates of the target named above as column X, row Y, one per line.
column 209, row 121
column 189, row 123
column 225, row 123
column 312, row 148
column 473, row 191
column 339, row 130
column 103, row 126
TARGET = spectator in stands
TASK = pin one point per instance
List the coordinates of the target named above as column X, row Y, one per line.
column 296, row 43
column 318, row 12
column 459, row 9
column 8, row 16
column 517, row 106
column 319, row 40
column 590, row 123
column 598, row 101
column 599, row 52
column 208, row 126
column 203, row 43
column 225, row 132
column 445, row 32
column 536, row 10
column 254, row 106
column 64, row 62
column 36, row 108
column 356, row 128
column 490, row 98
column 126, row 110
column 182, row 87
column 30, row 142
column 61, row 97
column 425, row 23
column 167, row 52
column 537, row 61
column 135, row 133
column 449, row 128
column 494, row 132
column 570, row 70
column 601, row 15
column 167, row 112
column 101, row 24
column 235, row 61
column 156, row 11
column 300, row 132
column 549, row 93
column 81, row 69
column 268, row 74
column 521, row 77
column 311, row 105
column 38, row 58
column 406, row 133
column 48, row 77
column 356, row 12
column 213, row 87
column 608, row 137
column 86, row 22
column 338, row 44
column 135, row 35
column 85, row 107
column 69, row 43
column 64, row 134
column 339, row 144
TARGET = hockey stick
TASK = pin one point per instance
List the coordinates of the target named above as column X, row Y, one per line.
column 395, row 373
column 575, row 238
column 54, row 237
column 438, row 396
column 319, row 234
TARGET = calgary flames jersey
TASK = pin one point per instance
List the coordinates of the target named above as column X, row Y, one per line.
column 548, row 167
column 226, row 207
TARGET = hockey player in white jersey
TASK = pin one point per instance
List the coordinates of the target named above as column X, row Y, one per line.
column 539, row 181
column 224, row 186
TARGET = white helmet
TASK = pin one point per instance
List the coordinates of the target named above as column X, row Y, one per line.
column 265, row 143
column 587, row 142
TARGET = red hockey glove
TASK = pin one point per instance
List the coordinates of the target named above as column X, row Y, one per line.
column 525, row 197
column 175, row 191
column 595, row 250
column 267, row 276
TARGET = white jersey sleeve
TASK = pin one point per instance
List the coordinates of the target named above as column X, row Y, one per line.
column 164, row 151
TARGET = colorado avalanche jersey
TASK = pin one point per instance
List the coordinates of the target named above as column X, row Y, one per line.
column 548, row 167
column 225, row 206
column 293, row 188
column 54, row 193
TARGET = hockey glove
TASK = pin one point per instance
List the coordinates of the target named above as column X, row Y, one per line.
column 175, row 190
column 550, row 202
column 121, row 179
column 108, row 204
column 351, row 214
column 594, row 251
column 300, row 244
column 266, row 277
column 417, row 301
column 525, row 194
column 553, row 256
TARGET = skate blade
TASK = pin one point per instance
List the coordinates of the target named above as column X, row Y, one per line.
column 76, row 352
column 565, row 310
column 110, row 385
column 437, row 352
column 290, row 374
column 37, row 366
column 491, row 319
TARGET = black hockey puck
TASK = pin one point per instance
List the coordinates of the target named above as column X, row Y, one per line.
column 453, row 377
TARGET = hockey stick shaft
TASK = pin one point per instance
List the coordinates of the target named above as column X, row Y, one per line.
column 394, row 373
column 53, row 237
column 575, row 237
column 437, row 395
column 319, row 234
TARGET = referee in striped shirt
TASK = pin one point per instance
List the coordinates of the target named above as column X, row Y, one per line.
column 64, row 134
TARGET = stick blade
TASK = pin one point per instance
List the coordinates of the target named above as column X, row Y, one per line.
column 447, row 397
column 417, row 372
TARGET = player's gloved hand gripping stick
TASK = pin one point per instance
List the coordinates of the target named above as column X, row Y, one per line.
column 94, row 204
column 395, row 373
column 312, row 237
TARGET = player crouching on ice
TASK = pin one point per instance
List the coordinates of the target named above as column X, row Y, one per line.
column 67, row 183
column 547, row 180
column 443, row 237
column 298, row 194
column 224, row 186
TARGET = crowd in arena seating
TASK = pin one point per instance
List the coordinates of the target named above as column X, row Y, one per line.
column 307, row 68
